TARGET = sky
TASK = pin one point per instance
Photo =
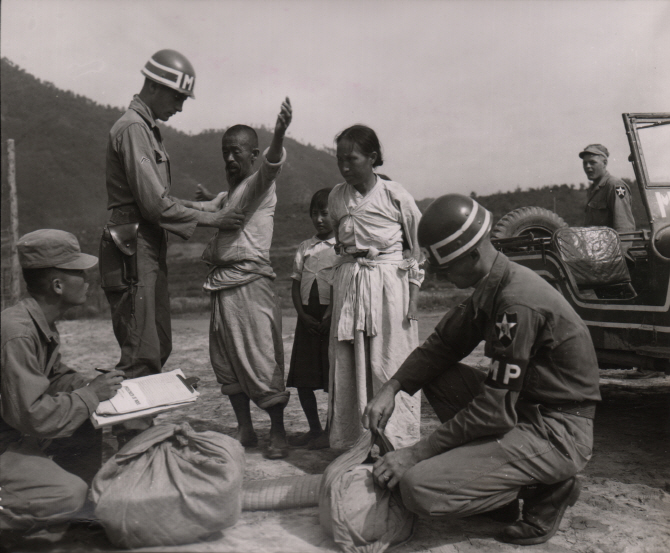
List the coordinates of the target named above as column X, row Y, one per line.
column 465, row 96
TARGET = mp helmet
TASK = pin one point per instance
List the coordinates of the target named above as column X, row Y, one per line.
column 171, row 69
column 452, row 226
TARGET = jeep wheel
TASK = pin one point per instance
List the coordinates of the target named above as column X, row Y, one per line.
column 526, row 220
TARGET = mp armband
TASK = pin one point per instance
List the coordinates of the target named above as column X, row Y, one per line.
column 505, row 375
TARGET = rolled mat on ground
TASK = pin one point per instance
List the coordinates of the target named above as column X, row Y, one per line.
column 170, row 485
column 359, row 515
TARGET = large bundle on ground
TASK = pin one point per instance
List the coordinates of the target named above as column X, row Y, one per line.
column 170, row 486
column 360, row 515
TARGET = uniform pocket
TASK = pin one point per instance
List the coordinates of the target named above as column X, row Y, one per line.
column 598, row 204
column 581, row 430
column 572, row 435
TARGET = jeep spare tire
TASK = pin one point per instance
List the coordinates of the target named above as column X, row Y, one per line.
column 526, row 220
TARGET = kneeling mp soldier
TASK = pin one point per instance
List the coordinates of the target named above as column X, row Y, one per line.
column 524, row 429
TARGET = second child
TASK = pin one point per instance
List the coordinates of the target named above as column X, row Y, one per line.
column 311, row 297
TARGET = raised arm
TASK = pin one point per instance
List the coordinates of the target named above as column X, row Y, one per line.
column 283, row 121
column 273, row 158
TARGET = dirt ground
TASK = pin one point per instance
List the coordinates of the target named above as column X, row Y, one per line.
column 624, row 505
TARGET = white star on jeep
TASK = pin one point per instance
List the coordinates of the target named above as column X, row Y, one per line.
column 505, row 327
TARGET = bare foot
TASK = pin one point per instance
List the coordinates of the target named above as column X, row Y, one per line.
column 247, row 438
column 278, row 448
column 320, row 442
column 301, row 440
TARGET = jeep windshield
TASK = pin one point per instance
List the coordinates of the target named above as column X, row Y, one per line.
column 653, row 137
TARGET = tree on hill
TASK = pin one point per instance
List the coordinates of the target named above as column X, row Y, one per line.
column 564, row 199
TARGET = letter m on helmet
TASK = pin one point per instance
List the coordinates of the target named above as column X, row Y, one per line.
column 187, row 82
column 171, row 69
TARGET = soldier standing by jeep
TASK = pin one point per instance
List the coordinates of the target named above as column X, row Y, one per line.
column 609, row 202
column 134, row 242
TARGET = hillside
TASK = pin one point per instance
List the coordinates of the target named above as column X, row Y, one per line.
column 61, row 138
column 60, row 141
column 566, row 200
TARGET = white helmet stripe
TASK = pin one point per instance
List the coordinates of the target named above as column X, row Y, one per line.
column 178, row 74
column 460, row 251
column 463, row 229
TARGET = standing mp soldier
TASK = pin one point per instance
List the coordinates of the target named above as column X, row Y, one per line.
column 134, row 242
column 609, row 201
column 525, row 428
column 49, row 450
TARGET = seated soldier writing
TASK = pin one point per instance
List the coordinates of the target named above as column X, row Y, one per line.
column 49, row 450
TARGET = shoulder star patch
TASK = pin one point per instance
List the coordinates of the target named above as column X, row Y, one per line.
column 620, row 191
column 506, row 324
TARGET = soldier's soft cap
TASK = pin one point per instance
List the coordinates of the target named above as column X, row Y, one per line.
column 53, row 248
column 595, row 150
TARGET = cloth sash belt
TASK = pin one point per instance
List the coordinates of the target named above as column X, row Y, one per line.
column 364, row 287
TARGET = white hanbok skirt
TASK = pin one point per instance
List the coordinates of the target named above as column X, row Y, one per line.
column 370, row 338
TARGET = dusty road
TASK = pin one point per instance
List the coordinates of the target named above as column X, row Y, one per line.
column 624, row 506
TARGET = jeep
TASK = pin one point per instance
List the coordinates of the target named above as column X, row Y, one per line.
column 623, row 298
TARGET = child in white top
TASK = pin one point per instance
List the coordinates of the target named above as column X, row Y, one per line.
column 311, row 297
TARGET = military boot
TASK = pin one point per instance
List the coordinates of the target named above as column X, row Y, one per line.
column 507, row 513
column 542, row 512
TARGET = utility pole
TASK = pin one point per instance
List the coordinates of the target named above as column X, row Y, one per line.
column 15, row 287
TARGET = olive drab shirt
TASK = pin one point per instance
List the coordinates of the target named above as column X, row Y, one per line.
column 609, row 204
column 41, row 397
column 138, row 175
column 540, row 352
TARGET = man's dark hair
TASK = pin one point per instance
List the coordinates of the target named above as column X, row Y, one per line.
column 38, row 281
column 320, row 199
column 246, row 130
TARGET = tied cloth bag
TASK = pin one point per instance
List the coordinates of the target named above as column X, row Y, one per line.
column 361, row 516
column 170, row 485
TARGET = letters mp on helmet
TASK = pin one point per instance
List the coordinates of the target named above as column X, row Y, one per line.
column 171, row 69
column 451, row 226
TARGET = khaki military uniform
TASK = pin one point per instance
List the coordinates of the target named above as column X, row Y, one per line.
column 609, row 204
column 49, row 451
column 138, row 189
column 526, row 419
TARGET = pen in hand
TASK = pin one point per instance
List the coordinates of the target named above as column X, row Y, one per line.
column 107, row 383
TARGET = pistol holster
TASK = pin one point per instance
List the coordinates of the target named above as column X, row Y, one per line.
column 125, row 239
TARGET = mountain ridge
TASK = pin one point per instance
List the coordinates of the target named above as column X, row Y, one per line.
column 60, row 142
